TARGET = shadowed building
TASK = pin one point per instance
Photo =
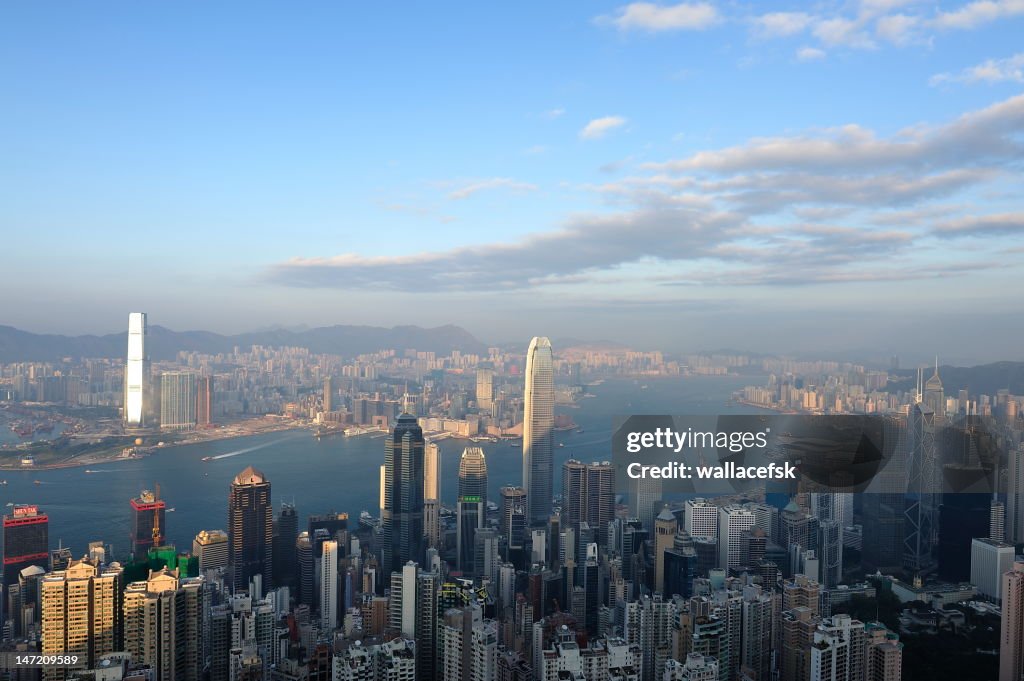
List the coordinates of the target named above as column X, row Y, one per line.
column 250, row 529
column 472, row 504
column 402, row 514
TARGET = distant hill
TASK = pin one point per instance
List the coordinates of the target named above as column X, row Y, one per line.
column 163, row 343
column 986, row 379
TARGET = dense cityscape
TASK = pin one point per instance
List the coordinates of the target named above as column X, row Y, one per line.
column 577, row 582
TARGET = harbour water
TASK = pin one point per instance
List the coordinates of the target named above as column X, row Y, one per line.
column 334, row 473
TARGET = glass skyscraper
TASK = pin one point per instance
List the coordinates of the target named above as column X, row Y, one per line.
column 402, row 515
column 538, row 430
column 250, row 529
column 472, row 502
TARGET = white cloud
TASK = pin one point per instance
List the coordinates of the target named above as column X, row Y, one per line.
column 989, row 71
column 839, row 31
column 978, row 13
column 982, row 225
column 897, row 29
column 599, row 127
column 554, row 113
column 810, row 54
column 648, row 16
column 986, row 135
column 863, row 25
column 781, row 24
column 468, row 190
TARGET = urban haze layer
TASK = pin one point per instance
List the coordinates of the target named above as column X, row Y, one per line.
column 545, row 582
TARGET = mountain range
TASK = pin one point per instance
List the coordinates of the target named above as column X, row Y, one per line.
column 163, row 343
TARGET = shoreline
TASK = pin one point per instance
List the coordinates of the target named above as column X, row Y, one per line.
column 115, row 454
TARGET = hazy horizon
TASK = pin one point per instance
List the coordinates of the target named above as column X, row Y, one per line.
column 766, row 343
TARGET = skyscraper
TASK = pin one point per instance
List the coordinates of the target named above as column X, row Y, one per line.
column 645, row 493
column 472, row 504
column 306, row 572
column 469, row 645
column 827, row 507
column 163, row 625
column 588, row 496
column 990, row 560
column 286, row 531
column 574, row 494
column 733, row 521
column 81, row 614
column 250, row 529
column 538, row 430
column 178, row 400
column 402, row 515
column 665, row 526
column 934, row 395
column 136, row 372
column 1011, row 633
column 210, row 547
column 837, row 652
column 204, row 401
column 700, row 518
column 1015, row 495
column 149, row 523
column 329, row 587
column 513, row 516
column 26, row 541
column 484, row 389
column 328, row 395
column 432, row 494
column 432, row 471
column 921, row 510
column 884, row 654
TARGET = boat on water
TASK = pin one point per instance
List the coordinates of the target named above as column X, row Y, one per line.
column 89, row 471
column 37, row 482
column 170, row 510
column 206, row 458
column 3, row 482
column 579, row 430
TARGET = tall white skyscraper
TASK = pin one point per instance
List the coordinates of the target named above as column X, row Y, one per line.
column 733, row 521
column 538, row 429
column 136, row 372
column 329, row 586
column 990, row 560
column 700, row 519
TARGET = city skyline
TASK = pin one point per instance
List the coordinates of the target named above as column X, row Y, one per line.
column 760, row 581
column 609, row 177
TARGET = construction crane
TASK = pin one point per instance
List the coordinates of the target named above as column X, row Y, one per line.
column 157, row 539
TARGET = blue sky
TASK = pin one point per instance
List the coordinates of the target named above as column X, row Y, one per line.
column 834, row 175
